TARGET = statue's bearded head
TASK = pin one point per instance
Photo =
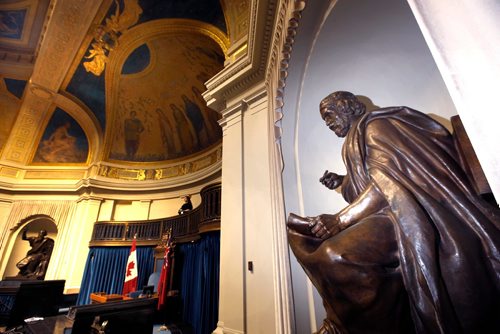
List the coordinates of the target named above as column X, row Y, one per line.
column 339, row 110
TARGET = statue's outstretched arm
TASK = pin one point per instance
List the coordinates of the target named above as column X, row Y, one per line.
column 370, row 201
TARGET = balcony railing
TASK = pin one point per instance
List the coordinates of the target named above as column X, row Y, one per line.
column 185, row 227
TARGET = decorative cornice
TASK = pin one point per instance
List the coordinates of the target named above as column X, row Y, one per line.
column 183, row 168
column 285, row 29
column 109, row 176
column 281, row 53
column 250, row 68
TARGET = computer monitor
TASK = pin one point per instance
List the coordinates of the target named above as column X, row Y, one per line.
column 123, row 316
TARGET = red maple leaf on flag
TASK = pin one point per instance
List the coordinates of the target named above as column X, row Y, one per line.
column 130, row 266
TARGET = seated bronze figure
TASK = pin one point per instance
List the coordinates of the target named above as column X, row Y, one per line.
column 415, row 250
column 34, row 264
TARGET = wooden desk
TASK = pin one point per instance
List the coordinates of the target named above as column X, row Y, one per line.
column 102, row 297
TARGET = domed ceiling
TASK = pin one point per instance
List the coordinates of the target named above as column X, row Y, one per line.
column 130, row 97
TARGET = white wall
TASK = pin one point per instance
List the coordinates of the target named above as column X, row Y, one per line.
column 371, row 48
column 169, row 207
column 463, row 37
column 75, row 218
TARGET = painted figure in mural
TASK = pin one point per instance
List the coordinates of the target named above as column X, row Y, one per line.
column 34, row 264
column 169, row 135
column 61, row 135
column 194, row 113
column 98, row 59
column 186, row 132
column 133, row 129
column 61, row 146
column 415, row 250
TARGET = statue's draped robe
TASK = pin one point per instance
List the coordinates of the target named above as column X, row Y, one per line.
column 34, row 264
column 447, row 237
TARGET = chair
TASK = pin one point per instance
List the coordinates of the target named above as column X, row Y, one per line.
column 153, row 279
column 134, row 294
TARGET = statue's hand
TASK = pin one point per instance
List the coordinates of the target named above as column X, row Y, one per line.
column 299, row 224
column 325, row 226
column 331, row 180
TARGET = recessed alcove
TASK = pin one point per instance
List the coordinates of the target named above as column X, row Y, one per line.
column 20, row 247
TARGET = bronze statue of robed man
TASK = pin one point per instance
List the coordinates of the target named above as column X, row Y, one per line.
column 415, row 250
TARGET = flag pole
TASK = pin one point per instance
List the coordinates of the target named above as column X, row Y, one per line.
column 165, row 272
column 131, row 271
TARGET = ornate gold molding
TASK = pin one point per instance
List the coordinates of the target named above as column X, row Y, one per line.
column 54, row 174
column 9, row 172
column 26, row 128
column 67, row 25
column 237, row 16
column 174, row 170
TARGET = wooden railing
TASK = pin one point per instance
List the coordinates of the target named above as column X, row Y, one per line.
column 185, row 227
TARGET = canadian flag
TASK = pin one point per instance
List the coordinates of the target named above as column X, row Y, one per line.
column 131, row 271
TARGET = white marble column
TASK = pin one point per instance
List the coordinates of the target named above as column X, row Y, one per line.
column 231, row 295
column 464, row 38
column 253, row 272
column 255, row 293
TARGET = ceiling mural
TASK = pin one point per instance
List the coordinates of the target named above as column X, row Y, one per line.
column 63, row 141
column 128, row 100
column 87, row 82
column 155, row 122
column 142, row 76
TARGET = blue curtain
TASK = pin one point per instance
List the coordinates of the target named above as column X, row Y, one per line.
column 105, row 270
column 199, row 283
